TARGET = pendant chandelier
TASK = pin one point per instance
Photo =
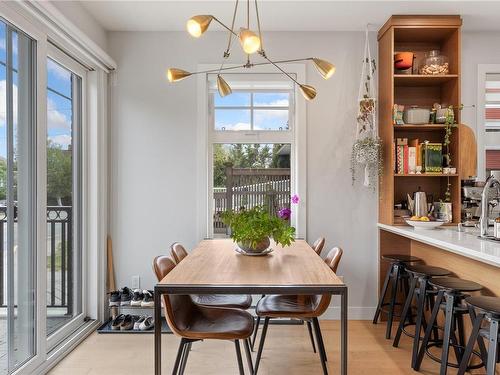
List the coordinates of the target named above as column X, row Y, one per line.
column 251, row 43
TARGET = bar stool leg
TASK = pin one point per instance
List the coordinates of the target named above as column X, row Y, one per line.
column 450, row 301
column 238, row 357
column 394, row 293
column 248, row 354
column 382, row 295
column 309, row 328
column 404, row 313
column 256, row 329
column 428, row 331
column 492, row 348
column 420, row 317
column 261, row 346
column 470, row 345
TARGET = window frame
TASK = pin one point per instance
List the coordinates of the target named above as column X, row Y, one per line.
column 481, row 128
column 207, row 136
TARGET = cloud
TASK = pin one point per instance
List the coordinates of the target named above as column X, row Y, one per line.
column 58, row 70
column 274, row 103
column 63, row 139
column 3, row 102
column 55, row 119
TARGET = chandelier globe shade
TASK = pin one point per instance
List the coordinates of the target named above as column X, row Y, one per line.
column 174, row 74
column 223, row 87
column 325, row 68
column 197, row 25
column 249, row 41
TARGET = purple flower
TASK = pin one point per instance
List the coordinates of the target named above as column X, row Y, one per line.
column 295, row 199
column 285, row 213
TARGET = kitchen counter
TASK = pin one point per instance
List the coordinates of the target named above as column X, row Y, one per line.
column 466, row 243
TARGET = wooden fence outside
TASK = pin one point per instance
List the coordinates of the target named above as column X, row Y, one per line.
column 250, row 187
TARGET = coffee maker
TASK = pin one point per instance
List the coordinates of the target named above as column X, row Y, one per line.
column 472, row 191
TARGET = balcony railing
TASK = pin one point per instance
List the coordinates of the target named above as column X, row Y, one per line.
column 59, row 256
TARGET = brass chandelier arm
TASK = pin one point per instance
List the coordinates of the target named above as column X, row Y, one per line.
column 279, row 68
column 224, row 26
column 232, row 29
column 258, row 26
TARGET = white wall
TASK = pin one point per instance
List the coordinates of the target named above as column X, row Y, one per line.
column 82, row 19
column 153, row 151
column 477, row 48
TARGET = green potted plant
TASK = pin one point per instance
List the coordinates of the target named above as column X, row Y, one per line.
column 252, row 228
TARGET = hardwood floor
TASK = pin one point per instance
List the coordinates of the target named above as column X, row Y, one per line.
column 287, row 352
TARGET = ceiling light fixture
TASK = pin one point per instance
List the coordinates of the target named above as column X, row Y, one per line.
column 251, row 42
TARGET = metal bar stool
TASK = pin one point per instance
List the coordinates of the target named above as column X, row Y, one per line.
column 424, row 295
column 450, row 295
column 489, row 310
column 397, row 276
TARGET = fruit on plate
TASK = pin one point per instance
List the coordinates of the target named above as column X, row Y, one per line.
column 420, row 218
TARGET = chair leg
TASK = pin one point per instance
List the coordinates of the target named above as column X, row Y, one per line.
column 470, row 345
column 187, row 349
column 309, row 328
column 428, row 331
column 321, row 343
column 382, row 295
column 248, row 353
column 317, row 329
column 256, row 329
column 420, row 319
column 261, row 345
column 404, row 313
column 180, row 353
column 238, row 356
column 394, row 293
column 492, row 348
column 450, row 301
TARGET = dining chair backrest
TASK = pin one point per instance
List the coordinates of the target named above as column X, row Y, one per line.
column 178, row 252
column 178, row 308
column 318, row 245
column 333, row 258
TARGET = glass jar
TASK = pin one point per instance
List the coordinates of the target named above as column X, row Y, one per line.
column 434, row 64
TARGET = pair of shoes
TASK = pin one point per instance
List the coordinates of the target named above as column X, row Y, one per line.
column 142, row 298
column 123, row 322
column 144, row 323
column 121, row 297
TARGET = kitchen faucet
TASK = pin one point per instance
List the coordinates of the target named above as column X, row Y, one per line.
column 483, row 221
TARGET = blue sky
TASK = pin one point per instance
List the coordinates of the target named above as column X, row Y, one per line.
column 266, row 117
column 58, row 107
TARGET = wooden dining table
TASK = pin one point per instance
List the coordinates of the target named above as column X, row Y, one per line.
column 214, row 267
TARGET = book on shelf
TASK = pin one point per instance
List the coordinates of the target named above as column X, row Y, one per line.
column 407, row 156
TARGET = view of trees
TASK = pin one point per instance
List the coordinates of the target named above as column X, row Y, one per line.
column 59, row 175
column 247, row 156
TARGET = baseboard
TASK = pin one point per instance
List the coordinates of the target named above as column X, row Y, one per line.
column 353, row 313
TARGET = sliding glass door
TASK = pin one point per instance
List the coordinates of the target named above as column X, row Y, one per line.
column 17, row 197
column 64, row 255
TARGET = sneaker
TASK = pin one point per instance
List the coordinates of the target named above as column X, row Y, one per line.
column 138, row 322
column 126, row 296
column 137, row 299
column 147, row 324
column 117, row 322
column 114, row 298
column 147, row 300
column 128, row 323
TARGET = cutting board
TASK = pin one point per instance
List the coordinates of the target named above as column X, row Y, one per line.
column 468, row 152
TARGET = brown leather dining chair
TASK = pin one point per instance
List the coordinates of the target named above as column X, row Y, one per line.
column 305, row 307
column 235, row 301
column 194, row 322
column 318, row 245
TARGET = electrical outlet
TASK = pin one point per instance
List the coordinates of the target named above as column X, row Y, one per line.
column 136, row 282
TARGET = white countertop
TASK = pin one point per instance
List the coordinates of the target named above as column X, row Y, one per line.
column 465, row 243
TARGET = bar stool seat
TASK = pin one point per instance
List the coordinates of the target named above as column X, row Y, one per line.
column 401, row 258
column 455, row 284
column 488, row 304
column 425, row 270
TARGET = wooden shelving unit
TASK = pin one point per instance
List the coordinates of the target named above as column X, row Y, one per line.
column 418, row 34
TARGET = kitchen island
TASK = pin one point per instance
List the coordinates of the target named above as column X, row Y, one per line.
column 463, row 253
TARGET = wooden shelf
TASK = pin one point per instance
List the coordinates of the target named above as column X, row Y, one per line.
column 426, row 175
column 417, row 80
column 423, row 127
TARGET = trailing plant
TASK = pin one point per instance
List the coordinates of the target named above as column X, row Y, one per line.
column 251, row 226
column 367, row 152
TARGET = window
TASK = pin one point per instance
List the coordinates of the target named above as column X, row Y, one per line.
column 252, row 146
column 488, row 120
column 64, row 253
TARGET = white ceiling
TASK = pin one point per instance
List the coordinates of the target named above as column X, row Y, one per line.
column 284, row 15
